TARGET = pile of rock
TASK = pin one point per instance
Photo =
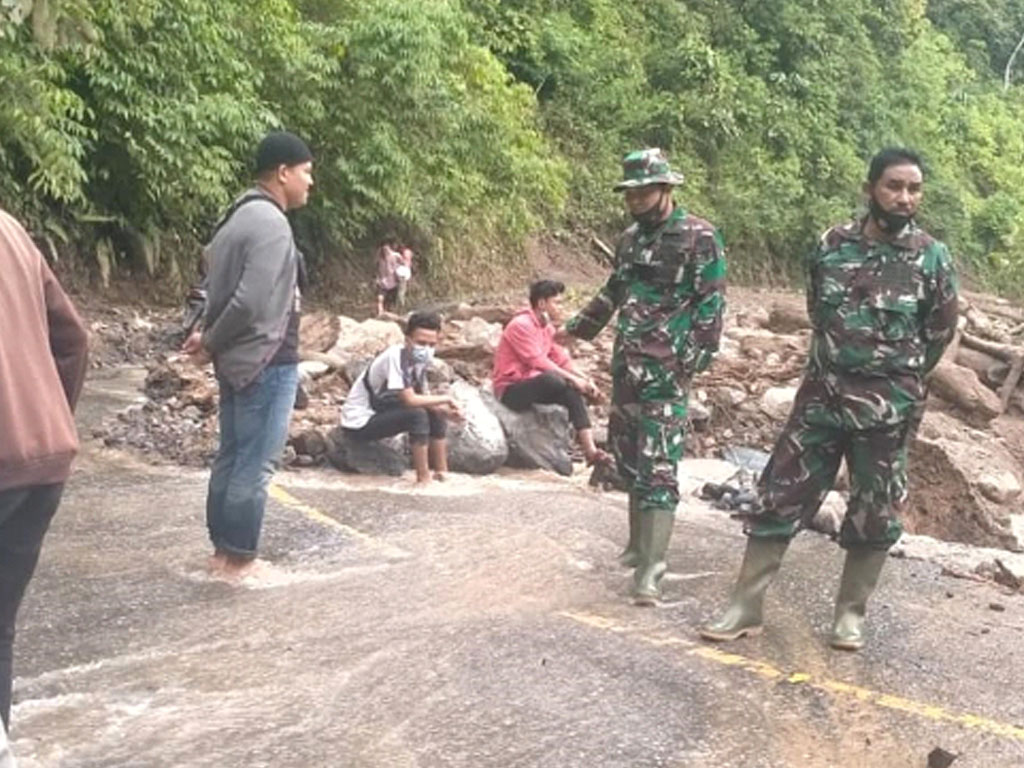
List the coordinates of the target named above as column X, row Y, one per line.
column 965, row 460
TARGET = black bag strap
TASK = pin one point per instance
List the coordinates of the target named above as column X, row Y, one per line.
column 379, row 401
column 251, row 198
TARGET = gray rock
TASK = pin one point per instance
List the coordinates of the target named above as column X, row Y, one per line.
column 778, row 401
column 477, row 446
column 439, row 375
column 830, row 516
column 360, row 340
column 538, row 438
column 388, row 456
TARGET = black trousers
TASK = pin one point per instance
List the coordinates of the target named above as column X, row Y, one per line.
column 420, row 423
column 25, row 515
column 549, row 389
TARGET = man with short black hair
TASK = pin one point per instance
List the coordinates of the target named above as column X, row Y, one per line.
column 251, row 331
column 882, row 298
column 391, row 397
column 530, row 368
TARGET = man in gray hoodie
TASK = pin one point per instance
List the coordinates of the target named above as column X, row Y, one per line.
column 251, row 331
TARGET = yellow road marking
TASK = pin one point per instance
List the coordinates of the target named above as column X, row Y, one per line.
column 280, row 495
column 835, row 687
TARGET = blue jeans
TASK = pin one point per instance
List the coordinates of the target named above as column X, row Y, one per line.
column 253, row 432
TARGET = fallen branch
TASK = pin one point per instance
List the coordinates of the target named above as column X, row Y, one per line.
column 604, row 248
column 1006, row 352
column 985, row 327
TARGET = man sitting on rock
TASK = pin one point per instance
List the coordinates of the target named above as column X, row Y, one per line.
column 390, row 398
column 529, row 367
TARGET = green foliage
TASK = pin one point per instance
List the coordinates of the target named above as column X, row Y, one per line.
column 127, row 125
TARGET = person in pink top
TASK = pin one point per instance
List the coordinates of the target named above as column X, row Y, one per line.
column 529, row 367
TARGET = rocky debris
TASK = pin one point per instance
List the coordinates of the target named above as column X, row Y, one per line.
column 177, row 422
column 318, row 333
column 357, row 340
column 777, row 402
column 950, row 469
column 389, row 456
column 478, row 445
column 538, row 438
column 499, row 314
column 965, row 482
column 788, row 317
column 119, row 336
column 310, row 442
column 940, row 758
column 471, row 341
column 984, row 564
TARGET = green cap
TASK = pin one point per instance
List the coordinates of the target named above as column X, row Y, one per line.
column 645, row 167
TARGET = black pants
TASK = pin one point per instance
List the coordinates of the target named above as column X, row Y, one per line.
column 550, row 389
column 25, row 514
column 420, row 423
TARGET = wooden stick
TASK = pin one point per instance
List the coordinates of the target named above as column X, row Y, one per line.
column 1006, row 352
column 1012, row 379
column 1013, row 355
column 605, row 249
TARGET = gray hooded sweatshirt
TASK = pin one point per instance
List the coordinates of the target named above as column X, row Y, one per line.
column 251, row 289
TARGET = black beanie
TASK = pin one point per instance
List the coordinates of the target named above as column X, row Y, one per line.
column 281, row 148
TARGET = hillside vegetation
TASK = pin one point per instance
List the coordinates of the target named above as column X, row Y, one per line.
column 464, row 127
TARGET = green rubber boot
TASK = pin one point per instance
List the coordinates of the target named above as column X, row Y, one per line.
column 630, row 556
column 744, row 616
column 655, row 529
column 860, row 576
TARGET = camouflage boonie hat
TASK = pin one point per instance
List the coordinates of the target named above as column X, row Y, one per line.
column 645, row 167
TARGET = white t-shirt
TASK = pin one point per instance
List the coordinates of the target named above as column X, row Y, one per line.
column 391, row 370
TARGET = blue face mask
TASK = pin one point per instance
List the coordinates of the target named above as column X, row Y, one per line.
column 421, row 354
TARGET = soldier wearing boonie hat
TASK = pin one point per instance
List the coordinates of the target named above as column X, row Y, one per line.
column 668, row 288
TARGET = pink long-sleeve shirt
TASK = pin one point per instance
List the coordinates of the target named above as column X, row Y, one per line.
column 526, row 349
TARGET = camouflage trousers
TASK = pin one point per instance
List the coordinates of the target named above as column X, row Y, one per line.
column 646, row 428
column 818, row 435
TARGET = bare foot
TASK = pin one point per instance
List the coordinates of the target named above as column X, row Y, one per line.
column 440, row 476
column 234, row 569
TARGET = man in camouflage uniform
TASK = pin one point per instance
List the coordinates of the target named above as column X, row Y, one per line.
column 881, row 295
column 667, row 285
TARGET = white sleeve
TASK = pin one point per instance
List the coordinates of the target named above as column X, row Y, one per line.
column 395, row 377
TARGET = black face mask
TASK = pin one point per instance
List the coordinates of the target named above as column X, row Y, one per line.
column 888, row 221
column 652, row 217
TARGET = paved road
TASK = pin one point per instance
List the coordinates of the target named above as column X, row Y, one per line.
column 481, row 624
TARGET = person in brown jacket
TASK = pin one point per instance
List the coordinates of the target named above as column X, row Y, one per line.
column 43, row 355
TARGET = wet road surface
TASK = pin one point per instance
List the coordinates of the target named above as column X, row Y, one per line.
column 480, row 623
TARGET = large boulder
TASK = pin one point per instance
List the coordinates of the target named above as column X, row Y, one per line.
column 471, row 341
column 388, row 456
column 538, row 438
column 364, row 340
column 478, row 445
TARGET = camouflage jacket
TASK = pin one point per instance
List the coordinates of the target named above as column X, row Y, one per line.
column 668, row 286
column 879, row 309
